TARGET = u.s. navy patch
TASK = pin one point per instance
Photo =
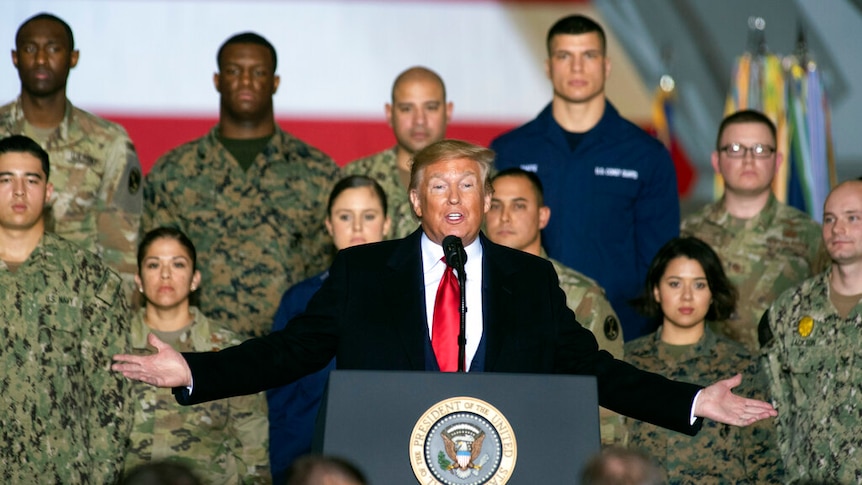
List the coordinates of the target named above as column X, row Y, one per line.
column 463, row 441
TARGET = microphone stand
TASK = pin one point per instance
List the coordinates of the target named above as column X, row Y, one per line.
column 456, row 257
column 462, row 336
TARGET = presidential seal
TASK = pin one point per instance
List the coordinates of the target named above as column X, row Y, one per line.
column 463, row 441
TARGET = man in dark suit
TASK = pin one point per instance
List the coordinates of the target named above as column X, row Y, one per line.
column 377, row 307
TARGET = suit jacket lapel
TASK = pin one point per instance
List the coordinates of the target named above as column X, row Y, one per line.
column 498, row 299
column 406, row 288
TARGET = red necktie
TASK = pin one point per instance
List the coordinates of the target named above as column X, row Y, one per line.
column 447, row 321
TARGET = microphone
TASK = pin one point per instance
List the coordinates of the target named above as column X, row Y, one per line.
column 453, row 250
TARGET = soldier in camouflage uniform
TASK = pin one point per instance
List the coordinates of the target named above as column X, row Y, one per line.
column 685, row 286
column 516, row 219
column 766, row 246
column 224, row 442
column 96, row 174
column 811, row 338
column 418, row 116
column 65, row 417
column 251, row 196
column 718, row 453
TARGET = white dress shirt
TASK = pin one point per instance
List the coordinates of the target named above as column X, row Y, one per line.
column 432, row 270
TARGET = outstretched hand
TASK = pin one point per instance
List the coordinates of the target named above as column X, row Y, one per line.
column 716, row 402
column 165, row 368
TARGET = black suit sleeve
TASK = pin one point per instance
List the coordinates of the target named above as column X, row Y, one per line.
column 622, row 387
column 307, row 344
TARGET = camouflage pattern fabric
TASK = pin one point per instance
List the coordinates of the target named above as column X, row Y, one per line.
column 257, row 232
column 64, row 416
column 812, row 355
column 594, row 312
column 97, row 179
column 224, row 441
column 382, row 168
column 762, row 256
column 719, row 453
column 592, row 309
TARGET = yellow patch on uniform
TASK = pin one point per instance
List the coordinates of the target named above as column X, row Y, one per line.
column 806, row 325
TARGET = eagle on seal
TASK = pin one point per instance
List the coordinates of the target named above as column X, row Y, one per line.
column 463, row 453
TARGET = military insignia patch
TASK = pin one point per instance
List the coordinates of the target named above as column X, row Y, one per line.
column 463, row 441
column 134, row 180
column 612, row 328
column 806, row 325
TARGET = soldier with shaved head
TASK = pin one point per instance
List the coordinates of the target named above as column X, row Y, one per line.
column 811, row 338
column 418, row 115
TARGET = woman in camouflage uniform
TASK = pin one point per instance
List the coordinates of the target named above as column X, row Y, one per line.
column 686, row 286
column 225, row 441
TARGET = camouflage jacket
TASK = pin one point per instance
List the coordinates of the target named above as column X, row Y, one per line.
column 587, row 299
column 592, row 309
column 382, row 168
column 811, row 354
column 224, row 442
column 719, row 453
column 257, row 232
column 97, row 185
column 64, row 415
column 774, row 251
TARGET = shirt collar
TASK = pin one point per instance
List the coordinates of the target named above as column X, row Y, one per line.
column 432, row 253
column 62, row 132
column 706, row 343
column 763, row 220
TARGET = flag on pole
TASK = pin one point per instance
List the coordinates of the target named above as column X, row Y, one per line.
column 790, row 92
column 663, row 108
column 811, row 160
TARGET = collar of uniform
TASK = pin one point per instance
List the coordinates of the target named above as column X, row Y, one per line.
column 706, row 343
column 273, row 151
column 63, row 128
column 824, row 279
column 212, row 136
column 390, row 159
column 43, row 254
column 604, row 128
column 718, row 215
column 199, row 331
column 767, row 215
